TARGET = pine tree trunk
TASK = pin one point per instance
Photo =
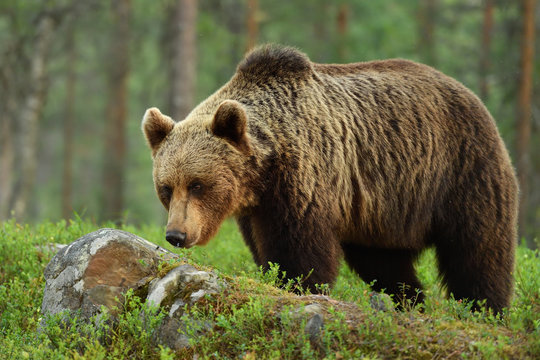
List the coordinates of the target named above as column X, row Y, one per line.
column 6, row 157
column 7, row 108
column 426, row 20
column 485, row 56
column 67, row 173
column 252, row 24
column 234, row 12
column 31, row 113
column 524, row 110
column 342, row 25
column 116, row 113
column 184, row 59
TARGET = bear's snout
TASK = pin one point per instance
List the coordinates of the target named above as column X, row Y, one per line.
column 176, row 238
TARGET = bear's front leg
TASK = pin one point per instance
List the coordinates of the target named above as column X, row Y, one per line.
column 306, row 252
column 244, row 224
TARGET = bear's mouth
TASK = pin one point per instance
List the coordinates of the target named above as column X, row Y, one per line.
column 183, row 246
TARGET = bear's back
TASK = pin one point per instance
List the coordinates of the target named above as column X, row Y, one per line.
column 371, row 128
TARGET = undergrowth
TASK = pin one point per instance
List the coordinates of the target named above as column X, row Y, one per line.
column 254, row 319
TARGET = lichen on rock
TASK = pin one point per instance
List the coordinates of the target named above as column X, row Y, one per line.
column 97, row 269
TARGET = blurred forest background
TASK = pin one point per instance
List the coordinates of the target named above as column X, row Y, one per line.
column 77, row 75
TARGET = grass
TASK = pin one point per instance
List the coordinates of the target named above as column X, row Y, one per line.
column 253, row 319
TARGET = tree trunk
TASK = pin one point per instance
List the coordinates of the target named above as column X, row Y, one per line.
column 252, row 24
column 67, row 174
column 30, row 114
column 524, row 109
column 234, row 12
column 426, row 20
column 6, row 156
column 184, row 59
column 485, row 56
column 7, row 107
column 116, row 113
column 342, row 25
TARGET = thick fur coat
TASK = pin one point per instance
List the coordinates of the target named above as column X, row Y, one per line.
column 372, row 161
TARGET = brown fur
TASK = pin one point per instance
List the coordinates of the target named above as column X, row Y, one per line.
column 376, row 161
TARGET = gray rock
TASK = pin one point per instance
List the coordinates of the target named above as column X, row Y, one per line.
column 307, row 311
column 314, row 313
column 313, row 309
column 172, row 332
column 97, row 269
column 168, row 334
column 380, row 302
column 314, row 326
column 183, row 285
column 173, row 292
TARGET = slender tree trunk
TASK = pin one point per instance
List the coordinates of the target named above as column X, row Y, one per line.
column 234, row 11
column 342, row 27
column 31, row 112
column 426, row 20
column 7, row 107
column 252, row 24
column 184, row 59
column 485, row 56
column 116, row 113
column 323, row 31
column 6, row 164
column 67, row 174
column 6, row 158
column 524, row 109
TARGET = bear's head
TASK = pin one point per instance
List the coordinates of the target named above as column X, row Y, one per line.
column 199, row 169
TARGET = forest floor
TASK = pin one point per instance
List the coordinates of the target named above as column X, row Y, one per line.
column 244, row 316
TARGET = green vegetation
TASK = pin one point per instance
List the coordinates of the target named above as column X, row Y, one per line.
column 253, row 319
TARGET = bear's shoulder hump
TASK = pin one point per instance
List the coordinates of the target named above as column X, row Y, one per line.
column 274, row 61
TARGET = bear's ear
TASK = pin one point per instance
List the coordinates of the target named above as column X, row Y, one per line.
column 229, row 123
column 156, row 127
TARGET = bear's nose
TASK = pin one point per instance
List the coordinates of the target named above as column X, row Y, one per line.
column 176, row 238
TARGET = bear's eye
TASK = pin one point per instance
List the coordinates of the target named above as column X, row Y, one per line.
column 165, row 193
column 195, row 188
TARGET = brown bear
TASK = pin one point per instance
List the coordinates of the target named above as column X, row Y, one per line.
column 373, row 161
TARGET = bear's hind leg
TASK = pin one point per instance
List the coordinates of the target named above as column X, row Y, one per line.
column 392, row 270
column 473, row 269
column 475, row 241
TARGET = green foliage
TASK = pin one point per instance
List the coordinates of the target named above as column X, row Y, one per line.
column 253, row 319
column 129, row 335
column 273, row 276
column 526, row 309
